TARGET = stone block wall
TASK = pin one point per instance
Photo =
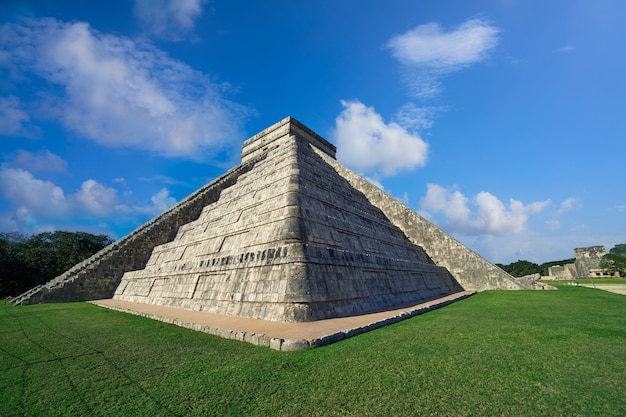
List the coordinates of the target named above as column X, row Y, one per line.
column 238, row 256
column 268, row 138
column 98, row 276
column 562, row 272
column 588, row 260
column 471, row 270
column 291, row 241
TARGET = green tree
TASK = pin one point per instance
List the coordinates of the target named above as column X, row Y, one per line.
column 615, row 260
column 521, row 268
column 29, row 261
column 13, row 268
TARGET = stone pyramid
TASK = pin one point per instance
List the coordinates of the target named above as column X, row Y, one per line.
column 292, row 240
column 289, row 235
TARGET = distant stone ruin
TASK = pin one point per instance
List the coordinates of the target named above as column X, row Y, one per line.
column 288, row 235
column 586, row 265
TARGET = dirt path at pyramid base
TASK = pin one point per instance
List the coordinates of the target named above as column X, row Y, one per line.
column 616, row 288
column 278, row 335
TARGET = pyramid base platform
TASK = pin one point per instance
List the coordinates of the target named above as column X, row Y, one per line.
column 279, row 335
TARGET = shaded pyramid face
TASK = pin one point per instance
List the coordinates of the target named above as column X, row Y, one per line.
column 291, row 240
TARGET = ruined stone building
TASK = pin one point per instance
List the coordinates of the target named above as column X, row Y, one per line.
column 586, row 265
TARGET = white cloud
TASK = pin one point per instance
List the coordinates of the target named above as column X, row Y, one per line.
column 123, row 93
column 490, row 217
column 14, row 120
column 35, row 201
column 430, row 52
column 31, row 195
column 553, row 224
column 41, row 161
column 169, row 19
column 567, row 205
column 452, row 204
column 494, row 218
column 428, row 45
column 371, row 146
column 94, row 198
column 412, row 117
column 39, row 205
column 566, row 49
column 161, row 201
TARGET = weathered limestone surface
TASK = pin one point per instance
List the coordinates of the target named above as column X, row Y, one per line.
column 288, row 235
column 562, row 272
column 290, row 241
column 97, row 277
column 588, row 260
column 471, row 270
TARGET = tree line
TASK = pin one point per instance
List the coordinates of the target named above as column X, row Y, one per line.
column 30, row 260
column 613, row 261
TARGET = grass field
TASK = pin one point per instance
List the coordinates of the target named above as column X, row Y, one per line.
column 517, row 353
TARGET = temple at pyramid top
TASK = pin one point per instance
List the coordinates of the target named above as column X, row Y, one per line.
column 262, row 141
column 288, row 235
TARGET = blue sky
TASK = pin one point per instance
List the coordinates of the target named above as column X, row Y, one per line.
column 501, row 121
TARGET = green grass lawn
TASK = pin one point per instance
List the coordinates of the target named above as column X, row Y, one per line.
column 517, row 353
